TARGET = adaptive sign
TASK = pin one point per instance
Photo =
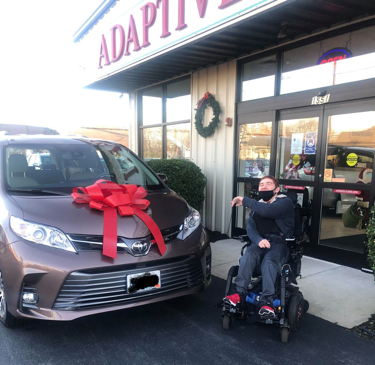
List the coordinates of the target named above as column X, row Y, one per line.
column 134, row 31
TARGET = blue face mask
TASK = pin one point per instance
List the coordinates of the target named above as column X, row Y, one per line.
column 266, row 195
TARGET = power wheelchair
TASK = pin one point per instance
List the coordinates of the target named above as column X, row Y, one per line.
column 289, row 303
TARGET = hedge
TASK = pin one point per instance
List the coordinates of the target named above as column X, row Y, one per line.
column 184, row 177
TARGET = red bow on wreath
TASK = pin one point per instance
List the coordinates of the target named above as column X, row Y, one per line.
column 201, row 101
column 112, row 198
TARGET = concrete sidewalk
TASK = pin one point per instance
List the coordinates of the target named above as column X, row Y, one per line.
column 338, row 294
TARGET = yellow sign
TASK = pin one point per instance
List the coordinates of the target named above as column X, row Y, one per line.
column 296, row 160
column 351, row 159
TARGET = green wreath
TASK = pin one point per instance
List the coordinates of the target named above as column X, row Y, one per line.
column 207, row 100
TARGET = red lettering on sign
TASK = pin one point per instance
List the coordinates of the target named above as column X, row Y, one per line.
column 181, row 15
column 225, row 3
column 117, row 53
column 120, row 41
column 103, row 53
column 148, row 19
column 164, row 17
column 132, row 37
column 202, row 6
column 333, row 59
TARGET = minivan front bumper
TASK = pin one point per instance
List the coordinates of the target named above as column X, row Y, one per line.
column 69, row 285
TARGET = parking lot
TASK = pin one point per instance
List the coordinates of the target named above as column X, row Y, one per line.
column 181, row 331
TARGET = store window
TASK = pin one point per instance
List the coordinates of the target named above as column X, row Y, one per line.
column 350, row 148
column 166, row 120
column 258, row 78
column 152, row 106
column 333, row 61
column 297, row 146
column 255, row 149
column 152, row 143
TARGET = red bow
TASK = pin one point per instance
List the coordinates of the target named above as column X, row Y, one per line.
column 111, row 198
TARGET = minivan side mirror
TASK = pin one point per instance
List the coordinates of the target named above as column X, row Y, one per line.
column 162, row 177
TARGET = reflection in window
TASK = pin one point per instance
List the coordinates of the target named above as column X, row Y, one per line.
column 355, row 69
column 258, row 79
column 152, row 106
column 255, row 149
column 258, row 88
column 328, row 74
column 350, row 148
column 313, row 77
column 344, row 217
column 152, row 143
column 178, row 101
column 178, row 141
column 303, row 69
column 297, row 148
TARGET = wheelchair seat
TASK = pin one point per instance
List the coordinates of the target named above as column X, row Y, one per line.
column 294, row 259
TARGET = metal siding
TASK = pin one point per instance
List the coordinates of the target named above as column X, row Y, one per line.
column 214, row 155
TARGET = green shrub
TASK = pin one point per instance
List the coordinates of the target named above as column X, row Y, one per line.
column 370, row 231
column 184, row 177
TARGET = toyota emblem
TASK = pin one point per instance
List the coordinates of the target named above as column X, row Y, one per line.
column 140, row 248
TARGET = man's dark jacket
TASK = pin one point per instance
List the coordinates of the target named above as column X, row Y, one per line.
column 281, row 210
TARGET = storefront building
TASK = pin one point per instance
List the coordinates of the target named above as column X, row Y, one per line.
column 295, row 80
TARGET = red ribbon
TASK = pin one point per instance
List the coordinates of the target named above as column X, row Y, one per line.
column 112, row 198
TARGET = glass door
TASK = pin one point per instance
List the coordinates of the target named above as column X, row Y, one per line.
column 345, row 184
column 298, row 146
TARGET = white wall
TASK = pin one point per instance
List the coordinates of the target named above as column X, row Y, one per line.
column 214, row 155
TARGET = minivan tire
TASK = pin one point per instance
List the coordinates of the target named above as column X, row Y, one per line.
column 7, row 319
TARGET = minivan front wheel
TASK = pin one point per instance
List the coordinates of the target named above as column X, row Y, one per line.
column 6, row 318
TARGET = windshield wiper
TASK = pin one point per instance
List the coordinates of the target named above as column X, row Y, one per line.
column 37, row 191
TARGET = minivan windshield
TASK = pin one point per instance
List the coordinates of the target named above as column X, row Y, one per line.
column 61, row 166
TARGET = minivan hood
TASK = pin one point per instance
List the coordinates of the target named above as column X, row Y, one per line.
column 167, row 210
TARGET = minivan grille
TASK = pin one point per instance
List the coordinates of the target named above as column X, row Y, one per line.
column 83, row 290
column 85, row 242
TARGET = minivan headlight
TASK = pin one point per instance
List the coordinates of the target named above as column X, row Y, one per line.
column 38, row 233
column 191, row 222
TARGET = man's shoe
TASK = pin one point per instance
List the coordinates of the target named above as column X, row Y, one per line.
column 233, row 299
column 267, row 312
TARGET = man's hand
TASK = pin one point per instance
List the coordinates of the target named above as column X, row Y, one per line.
column 237, row 201
column 264, row 244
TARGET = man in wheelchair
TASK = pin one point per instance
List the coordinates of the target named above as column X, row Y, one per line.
column 270, row 226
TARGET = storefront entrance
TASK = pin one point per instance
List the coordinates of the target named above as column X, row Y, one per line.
column 326, row 154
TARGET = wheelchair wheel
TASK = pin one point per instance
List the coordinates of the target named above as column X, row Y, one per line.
column 296, row 310
column 227, row 322
column 284, row 334
column 306, row 305
column 232, row 273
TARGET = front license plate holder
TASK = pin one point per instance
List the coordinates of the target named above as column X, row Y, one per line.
column 143, row 282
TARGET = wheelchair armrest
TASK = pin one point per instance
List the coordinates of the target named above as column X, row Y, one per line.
column 244, row 247
column 244, row 238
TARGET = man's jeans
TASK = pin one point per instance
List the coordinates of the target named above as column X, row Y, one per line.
column 269, row 260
